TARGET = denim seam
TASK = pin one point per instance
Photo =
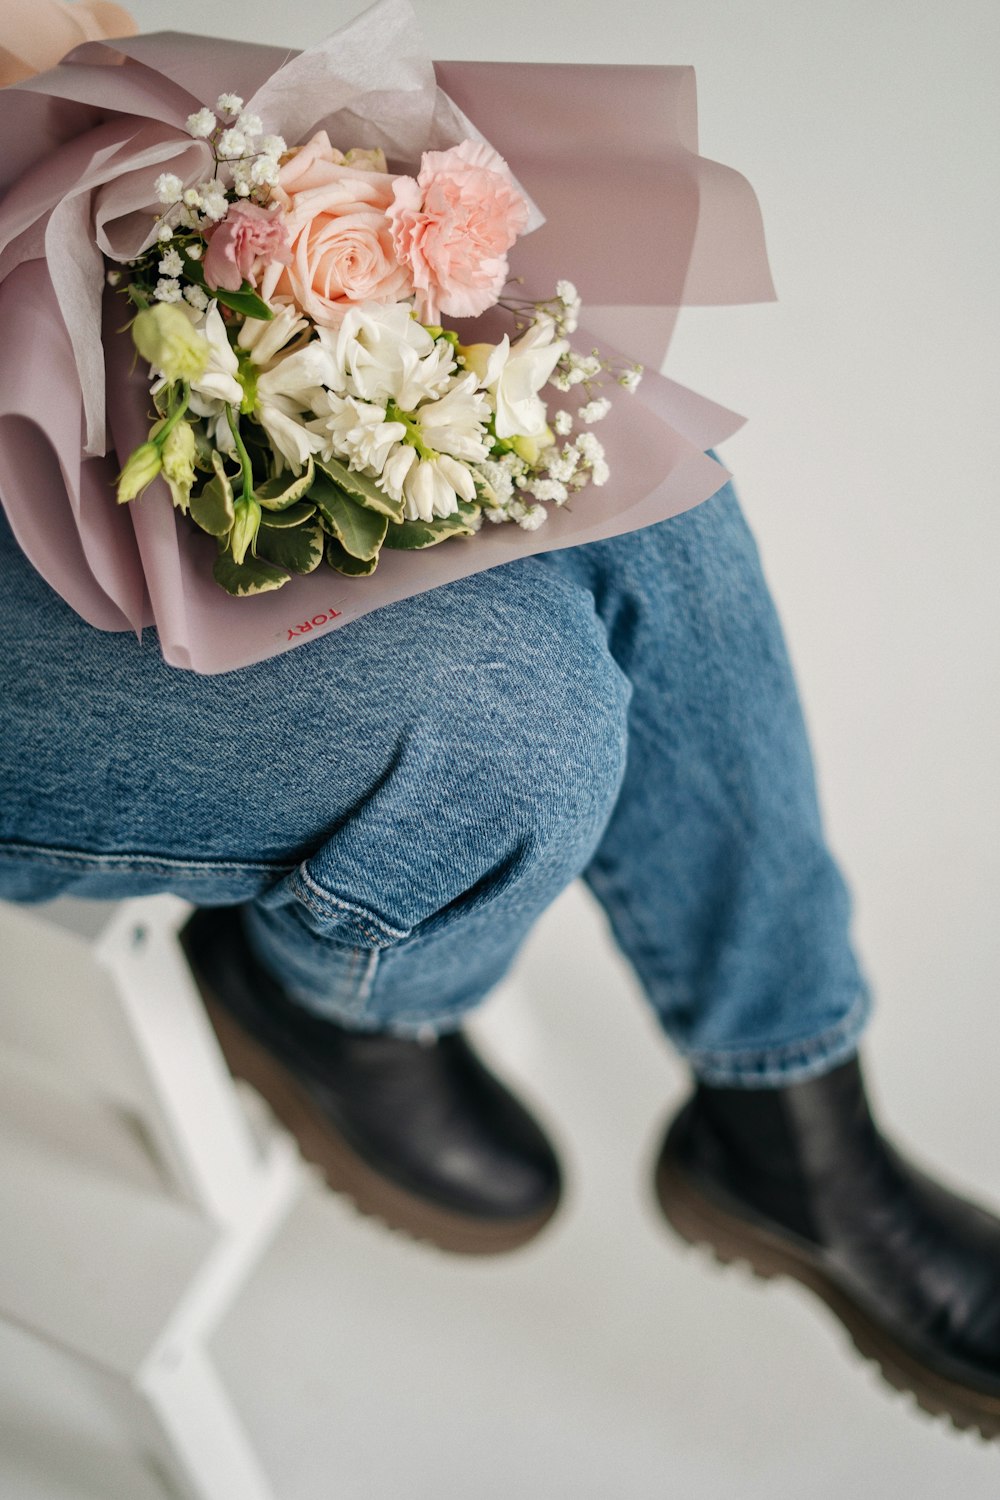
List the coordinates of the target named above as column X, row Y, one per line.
column 81, row 859
column 805, row 1053
column 323, row 903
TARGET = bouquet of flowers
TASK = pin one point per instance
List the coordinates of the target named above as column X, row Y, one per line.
column 310, row 402
column 351, row 331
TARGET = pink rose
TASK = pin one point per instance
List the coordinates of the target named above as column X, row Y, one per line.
column 242, row 243
column 453, row 226
column 341, row 240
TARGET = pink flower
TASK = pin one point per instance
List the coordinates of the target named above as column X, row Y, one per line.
column 341, row 239
column 246, row 240
column 453, row 226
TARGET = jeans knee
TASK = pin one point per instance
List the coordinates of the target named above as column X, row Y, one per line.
column 508, row 760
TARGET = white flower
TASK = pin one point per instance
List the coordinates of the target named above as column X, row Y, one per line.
column 196, row 296
column 382, row 353
column 171, row 264
column 594, row 411
column 249, row 124
column 589, row 447
column 264, row 171
column 433, row 486
column 194, row 252
column 456, row 423
column 563, row 465
column 600, row 473
column 496, row 481
column 215, row 205
column 289, row 383
column 167, row 289
column 631, row 378
column 356, row 430
column 549, row 489
column 113, row 278
column 533, row 517
column 168, row 188
column 562, row 423
column 273, row 146
column 229, row 104
column 219, row 382
column 201, row 124
column 231, row 144
column 516, row 373
column 164, row 232
column 567, row 292
column 192, row 198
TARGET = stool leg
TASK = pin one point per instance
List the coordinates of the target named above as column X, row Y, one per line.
column 188, row 1432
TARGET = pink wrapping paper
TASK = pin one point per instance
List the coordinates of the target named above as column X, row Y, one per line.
column 87, row 139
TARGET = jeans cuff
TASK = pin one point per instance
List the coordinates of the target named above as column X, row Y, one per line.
column 791, row 1062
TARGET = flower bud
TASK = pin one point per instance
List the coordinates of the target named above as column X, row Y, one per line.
column 141, row 468
column 244, row 532
column 529, row 448
column 178, row 454
column 476, row 356
column 166, row 339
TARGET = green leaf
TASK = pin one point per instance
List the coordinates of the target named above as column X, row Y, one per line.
column 254, row 576
column 244, row 301
column 213, row 509
column 292, row 515
column 360, row 488
column 298, row 548
column 277, row 493
column 352, row 567
column 409, row 535
column 360, row 532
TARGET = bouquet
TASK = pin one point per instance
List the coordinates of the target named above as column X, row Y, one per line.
column 352, row 329
column 310, row 403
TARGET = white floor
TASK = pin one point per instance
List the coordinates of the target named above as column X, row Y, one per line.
column 605, row 1361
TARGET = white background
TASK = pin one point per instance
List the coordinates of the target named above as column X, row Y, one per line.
column 604, row 1362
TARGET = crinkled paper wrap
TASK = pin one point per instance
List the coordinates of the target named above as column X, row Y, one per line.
column 633, row 215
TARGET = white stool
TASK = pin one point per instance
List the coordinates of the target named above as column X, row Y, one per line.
column 138, row 1184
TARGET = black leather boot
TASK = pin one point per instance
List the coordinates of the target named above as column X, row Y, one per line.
column 799, row 1182
column 418, row 1133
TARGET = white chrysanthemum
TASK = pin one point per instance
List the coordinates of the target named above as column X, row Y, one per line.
column 356, row 430
column 383, row 354
column 201, row 124
column 456, row 423
column 514, row 375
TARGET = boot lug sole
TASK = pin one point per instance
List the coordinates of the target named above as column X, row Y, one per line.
column 347, row 1173
column 702, row 1223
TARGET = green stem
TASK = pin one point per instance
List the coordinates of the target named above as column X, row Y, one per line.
column 175, row 415
column 245, row 464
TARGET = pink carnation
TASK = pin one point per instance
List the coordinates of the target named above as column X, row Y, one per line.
column 453, row 225
column 245, row 241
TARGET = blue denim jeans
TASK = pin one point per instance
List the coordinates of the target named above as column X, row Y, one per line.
column 396, row 802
